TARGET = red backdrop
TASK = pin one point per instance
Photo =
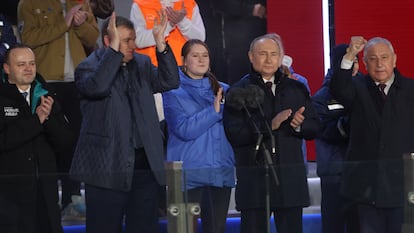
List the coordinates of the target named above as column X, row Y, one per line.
column 389, row 19
column 299, row 23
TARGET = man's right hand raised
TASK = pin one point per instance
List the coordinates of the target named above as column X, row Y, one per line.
column 158, row 31
column 113, row 33
column 356, row 45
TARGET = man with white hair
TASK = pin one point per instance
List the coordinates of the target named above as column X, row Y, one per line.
column 381, row 128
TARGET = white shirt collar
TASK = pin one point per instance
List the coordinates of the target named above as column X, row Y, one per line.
column 388, row 83
column 28, row 94
column 272, row 79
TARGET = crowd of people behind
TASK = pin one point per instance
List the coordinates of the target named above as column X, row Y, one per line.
column 236, row 115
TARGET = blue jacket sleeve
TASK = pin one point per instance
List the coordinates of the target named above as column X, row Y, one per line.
column 188, row 126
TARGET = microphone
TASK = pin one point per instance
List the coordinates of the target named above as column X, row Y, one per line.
column 255, row 98
column 236, row 98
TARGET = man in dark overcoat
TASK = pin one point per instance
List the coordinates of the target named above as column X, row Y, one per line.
column 288, row 112
column 32, row 130
column 381, row 128
column 120, row 154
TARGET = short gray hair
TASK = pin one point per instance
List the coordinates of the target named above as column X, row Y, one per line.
column 272, row 36
column 377, row 40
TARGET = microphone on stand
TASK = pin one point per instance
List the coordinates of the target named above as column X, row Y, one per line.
column 236, row 98
column 255, row 99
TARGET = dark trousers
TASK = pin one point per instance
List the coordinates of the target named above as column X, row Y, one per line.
column 42, row 222
column 287, row 220
column 214, row 203
column 338, row 215
column 28, row 210
column 380, row 220
column 68, row 97
column 106, row 209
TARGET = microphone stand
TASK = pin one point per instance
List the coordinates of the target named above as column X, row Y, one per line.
column 259, row 134
column 268, row 162
column 268, row 157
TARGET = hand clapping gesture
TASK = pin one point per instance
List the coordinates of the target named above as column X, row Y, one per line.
column 44, row 109
column 80, row 17
column 280, row 118
column 218, row 100
column 113, row 33
column 298, row 118
column 175, row 16
column 259, row 11
column 158, row 31
column 71, row 14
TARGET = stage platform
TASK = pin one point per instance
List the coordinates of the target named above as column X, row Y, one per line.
column 311, row 224
column 311, row 214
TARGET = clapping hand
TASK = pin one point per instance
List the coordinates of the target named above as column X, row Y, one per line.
column 175, row 16
column 259, row 11
column 44, row 109
column 158, row 31
column 70, row 15
column 80, row 17
column 280, row 118
column 298, row 118
column 218, row 99
column 113, row 33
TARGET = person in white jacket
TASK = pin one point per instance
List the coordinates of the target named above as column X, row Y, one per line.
column 185, row 23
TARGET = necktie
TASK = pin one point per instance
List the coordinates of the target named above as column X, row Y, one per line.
column 269, row 85
column 382, row 88
column 24, row 94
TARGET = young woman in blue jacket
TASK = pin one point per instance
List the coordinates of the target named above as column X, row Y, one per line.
column 194, row 113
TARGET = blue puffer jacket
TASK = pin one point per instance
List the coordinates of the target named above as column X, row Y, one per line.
column 196, row 134
column 332, row 140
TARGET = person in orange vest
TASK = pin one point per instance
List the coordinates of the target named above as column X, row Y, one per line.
column 185, row 23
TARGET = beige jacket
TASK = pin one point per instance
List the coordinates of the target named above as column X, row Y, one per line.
column 43, row 27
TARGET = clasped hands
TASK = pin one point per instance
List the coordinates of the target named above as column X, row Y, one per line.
column 76, row 16
column 175, row 16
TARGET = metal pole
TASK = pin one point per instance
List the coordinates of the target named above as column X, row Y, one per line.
column 180, row 215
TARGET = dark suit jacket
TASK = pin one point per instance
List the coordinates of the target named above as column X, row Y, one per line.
column 289, row 164
column 379, row 136
column 104, row 155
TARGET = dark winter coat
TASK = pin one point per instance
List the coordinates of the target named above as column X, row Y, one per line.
column 27, row 157
column 104, row 155
column 250, row 188
column 378, row 138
